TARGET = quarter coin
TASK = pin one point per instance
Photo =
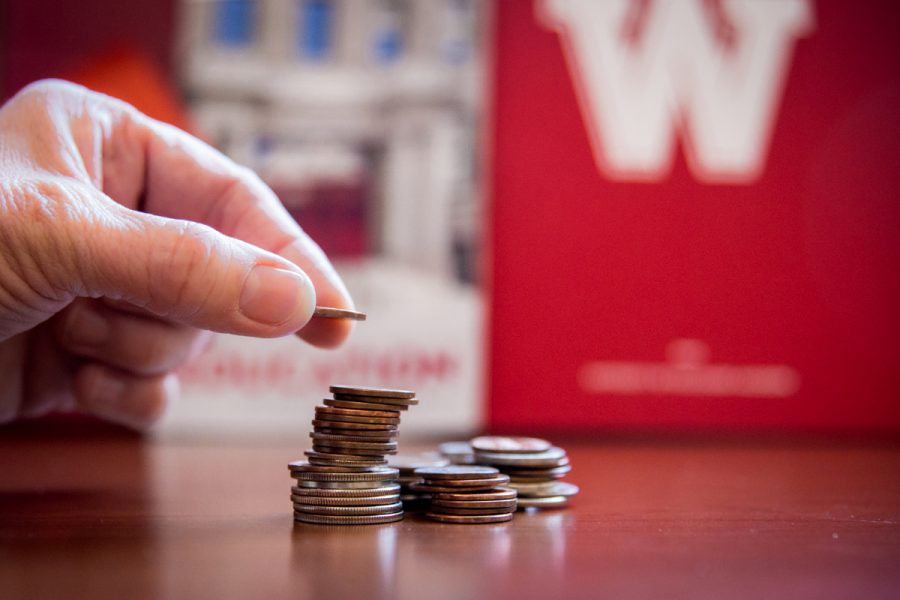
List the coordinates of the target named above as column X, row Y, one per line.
column 346, row 501
column 348, row 519
column 348, row 510
column 390, row 488
column 469, row 519
column 457, row 472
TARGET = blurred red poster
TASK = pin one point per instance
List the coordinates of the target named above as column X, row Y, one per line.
column 696, row 216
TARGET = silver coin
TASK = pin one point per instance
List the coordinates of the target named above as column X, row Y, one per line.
column 348, row 510
column 390, row 488
column 457, row 472
column 348, row 519
column 550, row 458
column 342, row 485
column 504, row 444
column 549, row 488
column 374, row 500
column 312, row 473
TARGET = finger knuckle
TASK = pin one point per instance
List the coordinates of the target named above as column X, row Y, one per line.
column 42, row 231
column 185, row 253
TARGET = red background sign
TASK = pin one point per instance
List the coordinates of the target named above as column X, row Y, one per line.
column 679, row 304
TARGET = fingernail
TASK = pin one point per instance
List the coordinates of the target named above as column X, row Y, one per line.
column 274, row 296
column 87, row 328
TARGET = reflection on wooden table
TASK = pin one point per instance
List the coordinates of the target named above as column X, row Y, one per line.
column 104, row 515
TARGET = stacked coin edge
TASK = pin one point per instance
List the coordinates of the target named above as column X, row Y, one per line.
column 344, row 479
column 466, row 494
column 534, row 466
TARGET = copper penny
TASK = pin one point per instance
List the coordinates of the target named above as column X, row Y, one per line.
column 510, row 504
column 335, row 403
column 329, row 449
column 352, row 444
column 469, row 519
column 444, row 510
column 331, row 438
column 496, row 481
column 356, row 412
column 327, row 312
column 425, row 488
column 379, row 422
column 371, row 391
column 320, row 458
column 360, row 426
column 360, row 434
column 498, row 494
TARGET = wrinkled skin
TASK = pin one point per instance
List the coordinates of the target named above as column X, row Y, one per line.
column 123, row 243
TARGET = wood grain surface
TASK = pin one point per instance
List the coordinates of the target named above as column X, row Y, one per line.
column 116, row 516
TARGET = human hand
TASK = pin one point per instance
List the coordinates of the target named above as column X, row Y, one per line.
column 122, row 241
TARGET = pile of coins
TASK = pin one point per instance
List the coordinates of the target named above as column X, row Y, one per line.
column 466, row 494
column 346, row 480
column 533, row 465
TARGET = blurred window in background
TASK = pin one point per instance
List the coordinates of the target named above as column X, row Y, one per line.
column 235, row 22
column 314, row 29
column 387, row 38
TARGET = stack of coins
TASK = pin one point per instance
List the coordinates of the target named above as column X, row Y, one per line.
column 466, row 494
column 346, row 480
column 534, row 467
column 407, row 465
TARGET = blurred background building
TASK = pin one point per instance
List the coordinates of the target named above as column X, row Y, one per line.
column 365, row 118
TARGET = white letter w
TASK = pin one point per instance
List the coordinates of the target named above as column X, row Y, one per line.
column 678, row 75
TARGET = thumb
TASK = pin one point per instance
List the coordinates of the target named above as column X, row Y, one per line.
column 192, row 274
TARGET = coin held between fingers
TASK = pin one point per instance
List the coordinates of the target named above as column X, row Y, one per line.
column 328, row 312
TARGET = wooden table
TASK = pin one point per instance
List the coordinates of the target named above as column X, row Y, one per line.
column 114, row 516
